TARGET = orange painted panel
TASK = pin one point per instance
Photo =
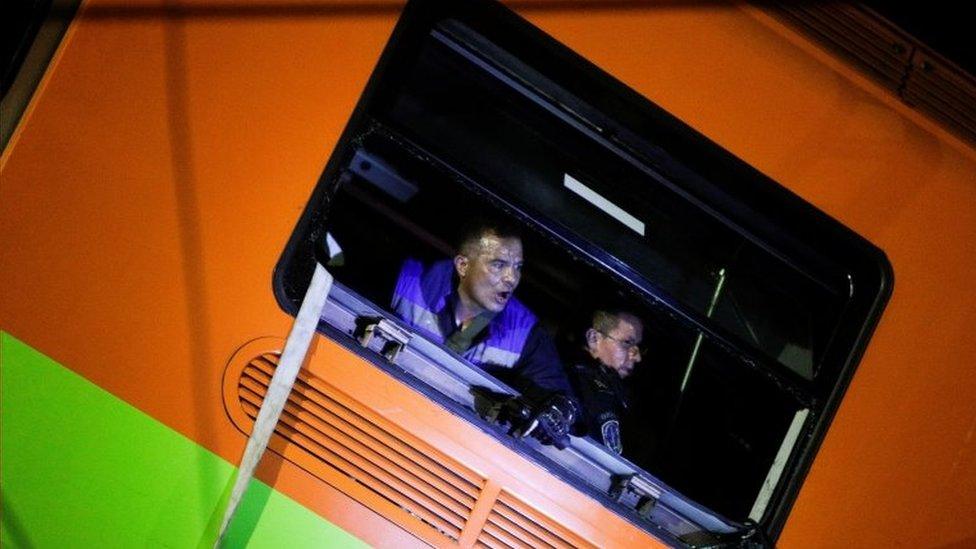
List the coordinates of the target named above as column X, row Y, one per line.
column 164, row 161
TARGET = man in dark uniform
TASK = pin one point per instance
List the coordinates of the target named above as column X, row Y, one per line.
column 612, row 348
column 467, row 304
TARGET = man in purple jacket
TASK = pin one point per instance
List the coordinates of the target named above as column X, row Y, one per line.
column 467, row 304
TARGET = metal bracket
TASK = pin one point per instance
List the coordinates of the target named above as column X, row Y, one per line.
column 636, row 492
column 393, row 338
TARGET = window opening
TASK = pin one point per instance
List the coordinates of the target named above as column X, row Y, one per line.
column 755, row 305
column 379, row 224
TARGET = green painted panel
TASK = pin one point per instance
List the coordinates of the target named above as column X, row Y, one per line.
column 82, row 468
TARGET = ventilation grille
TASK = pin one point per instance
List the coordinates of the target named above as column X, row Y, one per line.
column 512, row 523
column 922, row 78
column 882, row 50
column 323, row 423
column 948, row 95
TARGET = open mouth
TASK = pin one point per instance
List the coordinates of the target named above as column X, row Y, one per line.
column 502, row 297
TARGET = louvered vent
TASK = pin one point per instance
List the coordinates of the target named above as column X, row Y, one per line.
column 512, row 523
column 324, row 424
column 909, row 68
column 881, row 49
column 946, row 94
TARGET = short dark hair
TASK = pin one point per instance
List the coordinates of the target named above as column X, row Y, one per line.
column 484, row 224
column 606, row 319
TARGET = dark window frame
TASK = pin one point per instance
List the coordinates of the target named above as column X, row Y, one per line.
column 771, row 213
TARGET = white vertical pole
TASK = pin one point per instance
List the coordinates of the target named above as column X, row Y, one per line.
column 292, row 357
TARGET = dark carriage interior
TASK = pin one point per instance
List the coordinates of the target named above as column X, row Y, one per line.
column 714, row 441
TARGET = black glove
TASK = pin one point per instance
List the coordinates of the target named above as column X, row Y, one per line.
column 551, row 421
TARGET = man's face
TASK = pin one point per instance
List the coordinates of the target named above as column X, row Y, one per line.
column 618, row 349
column 489, row 273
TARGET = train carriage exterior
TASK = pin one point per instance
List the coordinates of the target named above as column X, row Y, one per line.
column 151, row 259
